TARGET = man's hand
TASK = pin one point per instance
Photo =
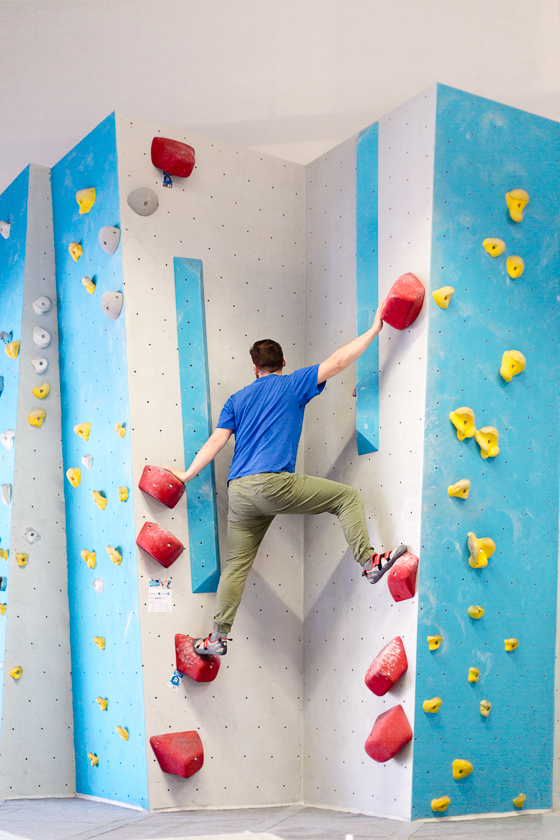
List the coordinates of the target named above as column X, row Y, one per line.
column 377, row 325
column 182, row 476
column 340, row 359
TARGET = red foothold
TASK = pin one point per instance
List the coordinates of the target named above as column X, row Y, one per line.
column 401, row 579
column 159, row 544
column 388, row 666
column 391, row 732
column 162, row 485
column 172, row 157
column 189, row 662
column 180, row 753
column 404, row 302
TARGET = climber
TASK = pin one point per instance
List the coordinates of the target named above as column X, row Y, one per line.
column 266, row 418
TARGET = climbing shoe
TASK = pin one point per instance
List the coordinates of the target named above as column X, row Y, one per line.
column 214, row 643
column 378, row 564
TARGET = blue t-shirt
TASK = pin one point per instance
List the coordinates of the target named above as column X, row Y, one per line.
column 267, row 417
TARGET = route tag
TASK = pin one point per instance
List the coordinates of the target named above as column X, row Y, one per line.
column 175, row 680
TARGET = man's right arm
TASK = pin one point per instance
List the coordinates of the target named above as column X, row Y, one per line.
column 342, row 358
column 205, row 455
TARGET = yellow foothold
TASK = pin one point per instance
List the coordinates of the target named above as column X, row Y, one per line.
column 93, row 759
column 115, row 555
column 16, row 672
column 485, row 708
column 519, row 801
column 120, row 430
column 75, row 250
column 474, row 674
column 74, row 476
column 89, row 284
column 22, row 559
column 433, row 705
column 516, row 201
column 99, row 499
column 511, row 644
column 100, row 642
column 515, row 267
column 3, row 553
column 103, row 702
column 461, row 768
column 83, row 430
column 513, row 363
column 41, row 391
column 123, row 732
column 495, row 247
column 476, row 612
column 123, row 494
column 480, row 550
column 3, row 608
column 443, row 296
column 12, row 349
column 463, row 420
column 441, row 804
column 89, row 558
column 85, row 199
column 461, row 489
column 434, row 642
column 487, row 439
column 36, row 417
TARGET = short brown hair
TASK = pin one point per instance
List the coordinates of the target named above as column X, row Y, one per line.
column 267, row 355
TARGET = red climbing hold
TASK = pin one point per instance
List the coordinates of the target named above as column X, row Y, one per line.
column 162, row 485
column 189, row 662
column 391, row 732
column 388, row 666
column 159, row 543
column 404, row 302
column 173, row 157
column 401, row 579
column 180, row 753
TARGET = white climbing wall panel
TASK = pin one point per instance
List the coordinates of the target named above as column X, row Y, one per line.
column 347, row 621
column 241, row 213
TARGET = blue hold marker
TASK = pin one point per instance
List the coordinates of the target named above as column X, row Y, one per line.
column 6, row 337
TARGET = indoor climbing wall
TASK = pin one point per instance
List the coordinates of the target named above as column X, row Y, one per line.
column 493, row 366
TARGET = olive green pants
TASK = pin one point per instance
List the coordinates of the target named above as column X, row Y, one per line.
column 255, row 500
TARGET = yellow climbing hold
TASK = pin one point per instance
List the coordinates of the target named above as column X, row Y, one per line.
column 115, row 555
column 41, row 391
column 516, row 201
column 485, row 708
column 36, row 417
column 89, row 558
column 89, row 284
column 123, row 494
column 100, row 642
column 123, row 732
column 474, row 674
column 16, row 672
column 515, row 267
column 461, row 768
column 519, row 801
column 433, row 705
column 12, row 349
column 83, row 430
column 120, row 430
column 441, row 804
column 513, row 363
column 74, row 476
column 443, row 296
column 3, row 608
column 480, row 550
column 75, row 250
column 476, row 612
column 103, row 702
column 434, row 642
column 22, row 559
column 511, row 644
column 99, row 499
column 3, row 553
column 85, row 199
column 461, row 489
column 487, row 439
column 495, row 247
column 93, row 759
column 463, row 420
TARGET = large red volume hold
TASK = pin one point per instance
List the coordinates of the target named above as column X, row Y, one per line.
column 404, row 302
column 391, row 732
column 180, row 753
column 173, row 157
column 189, row 662
column 401, row 579
column 388, row 666
column 162, row 485
column 159, row 543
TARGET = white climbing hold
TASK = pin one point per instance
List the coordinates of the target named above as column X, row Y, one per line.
column 111, row 304
column 6, row 493
column 143, row 201
column 109, row 238
column 30, row 535
column 41, row 338
column 5, row 229
column 7, row 438
column 98, row 584
column 42, row 304
column 40, row 364
column 87, row 461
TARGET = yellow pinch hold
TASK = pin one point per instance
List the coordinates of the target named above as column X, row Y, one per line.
column 3, row 608
column 443, row 296
column 432, row 706
column 460, row 489
column 480, row 550
column 74, row 476
column 99, row 499
column 434, row 642
column 463, row 420
column 115, row 555
column 93, row 759
column 441, row 804
column 485, row 708
column 103, row 703
column 85, row 199
column 120, row 430
column 83, row 430
column 495, row 247
column 89, row 285
column 16, row 672
column 513, row 363
column 474, row 674
column 89, row 558
column 123, row 494
column 75, row 250
column 41, row 391
column 516, row 201
column 22, row 559
column 511, row 644
column 123, row 732
column 12, row 349
column 37, row 417
column 461, row 768
column 487, row 439
column 515, row 267
column 476, row 612
column 4, row 553
column 519, row 801
column 100, row 642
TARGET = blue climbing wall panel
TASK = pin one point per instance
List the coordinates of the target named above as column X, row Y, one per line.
column 13, row 209
column 94, row 389
column 367, row 366
column 197, row 423
column 484, row 150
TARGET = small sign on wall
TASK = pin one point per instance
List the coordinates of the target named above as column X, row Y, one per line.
column 160, row 596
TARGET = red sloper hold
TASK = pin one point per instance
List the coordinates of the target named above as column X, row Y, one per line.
column 189, row 662
column 162, row 485
column 401, row 579
column 159, row 543
column 180, row 753
column 388, row 666
column 391, row 732
column 404, row 302
column 173, row 157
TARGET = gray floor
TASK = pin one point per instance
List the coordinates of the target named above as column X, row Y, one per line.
column 80, row 819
